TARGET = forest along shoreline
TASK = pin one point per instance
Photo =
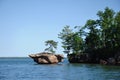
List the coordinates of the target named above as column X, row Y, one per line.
column 98, row 41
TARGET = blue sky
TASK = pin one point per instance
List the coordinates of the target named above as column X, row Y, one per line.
column 26, row 24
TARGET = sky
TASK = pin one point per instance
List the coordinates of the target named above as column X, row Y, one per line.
column 26, row 24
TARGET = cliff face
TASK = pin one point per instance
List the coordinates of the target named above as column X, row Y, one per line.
column 46, row 58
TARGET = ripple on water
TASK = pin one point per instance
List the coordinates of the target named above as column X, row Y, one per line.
column 27, row 69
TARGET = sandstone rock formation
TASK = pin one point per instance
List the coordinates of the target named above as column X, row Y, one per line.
column 46, row 58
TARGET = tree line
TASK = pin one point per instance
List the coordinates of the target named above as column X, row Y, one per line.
column 96, row 36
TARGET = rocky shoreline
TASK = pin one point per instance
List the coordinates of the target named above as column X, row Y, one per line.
column 46, row 58
column 50, row 58
column 85, row 58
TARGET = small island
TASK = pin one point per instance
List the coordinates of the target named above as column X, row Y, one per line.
column 46, row 58
column 98, row 41
column 49, row 56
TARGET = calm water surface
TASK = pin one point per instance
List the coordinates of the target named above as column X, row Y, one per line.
column 27, row 69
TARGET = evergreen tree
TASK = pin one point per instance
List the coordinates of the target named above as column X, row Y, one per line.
column 66, row 36
column 52, row 45
column 92, row 40
column 102, row 34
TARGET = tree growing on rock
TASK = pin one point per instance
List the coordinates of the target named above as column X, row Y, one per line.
column 51, row 46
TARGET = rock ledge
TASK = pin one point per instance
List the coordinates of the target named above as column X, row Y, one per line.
column 46, row 58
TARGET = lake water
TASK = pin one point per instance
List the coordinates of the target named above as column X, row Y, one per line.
column 27, row 69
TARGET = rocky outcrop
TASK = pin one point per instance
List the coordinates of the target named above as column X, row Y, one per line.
column 46, row 58
column 104, row 62
column 78, row 58
column 85, row 58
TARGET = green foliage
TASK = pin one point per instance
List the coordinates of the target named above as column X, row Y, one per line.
column 66, row 35
column 92, row 39
column 52, row 45
column 96, row 35
column 76, row 43
column 106, row 23
column 71, row 40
